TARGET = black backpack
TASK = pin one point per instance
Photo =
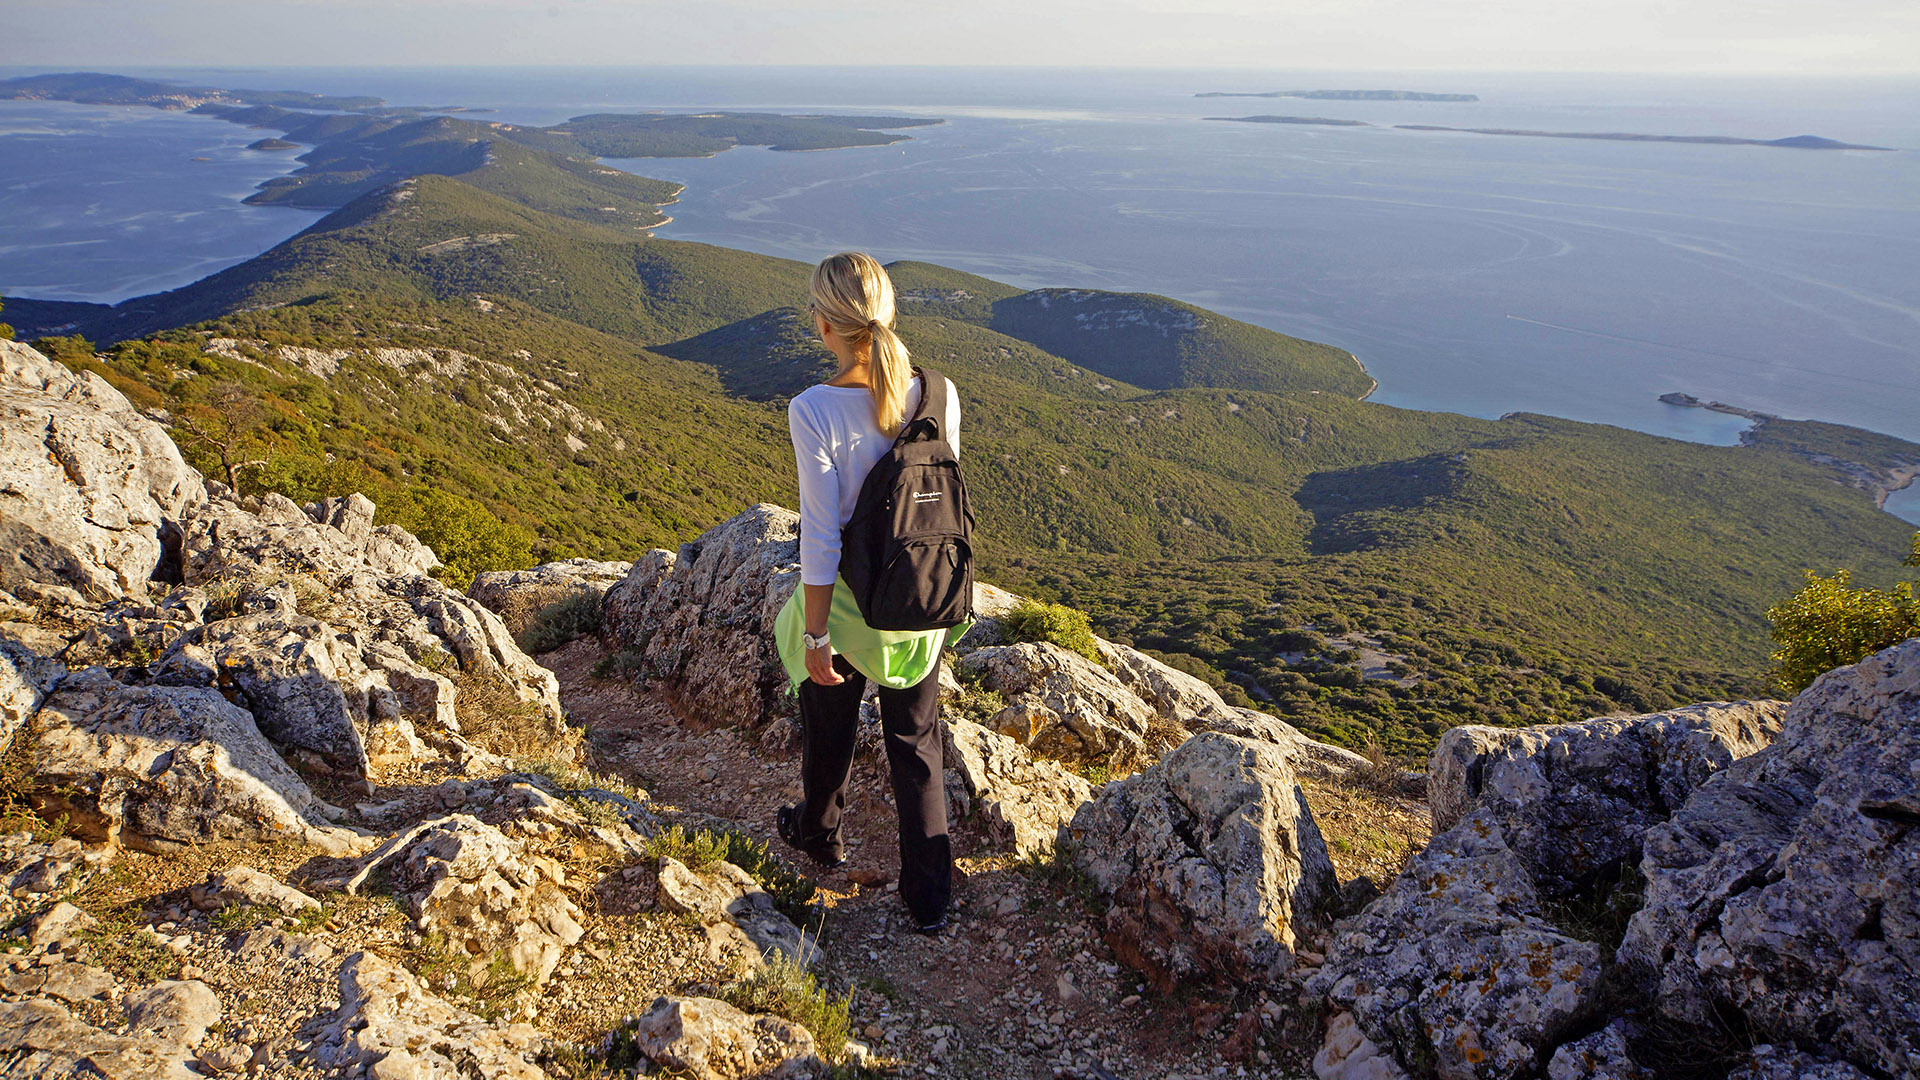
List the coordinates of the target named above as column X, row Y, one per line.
column 907, row 551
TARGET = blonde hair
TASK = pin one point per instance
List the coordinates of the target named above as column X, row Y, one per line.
column 851, row 291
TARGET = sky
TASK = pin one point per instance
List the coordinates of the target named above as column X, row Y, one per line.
column 1815, row 37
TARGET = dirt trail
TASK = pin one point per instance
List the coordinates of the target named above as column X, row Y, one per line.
column 1021, row 984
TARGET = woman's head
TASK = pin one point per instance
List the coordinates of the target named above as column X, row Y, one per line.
column 852, row 295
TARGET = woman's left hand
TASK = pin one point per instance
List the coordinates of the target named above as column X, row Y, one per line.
column 820, row 666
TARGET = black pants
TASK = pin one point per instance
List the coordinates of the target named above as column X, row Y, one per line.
column 910, row 718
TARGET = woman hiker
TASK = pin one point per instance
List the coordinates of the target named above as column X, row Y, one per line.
column 840, row 429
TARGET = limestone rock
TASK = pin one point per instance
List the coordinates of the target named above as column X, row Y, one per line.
column 1093, row 717
column 1025, row 802
column 41, row 1040
column 1212, row 861
column 1769, row 1062
column 1574, row 799
column 25, row 678
column 227, row 539
column 709, row 1039
column 1602, row 1055
column 247, row 886
column 1347, row 1054
column 153, row 767
column 1784, row 889
column 724, row 892
column 517, row 595
column 702, row 619
column 58, row 924
column 1455, row 965
column 486, row 893
column 391, row 1026
column 88, row 486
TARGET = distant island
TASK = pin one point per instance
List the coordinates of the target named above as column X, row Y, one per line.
column 1345, row 95
column 272, row 144
column 1795, row 142
column 1292, row 120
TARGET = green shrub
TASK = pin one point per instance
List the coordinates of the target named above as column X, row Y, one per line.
column 1056, row 623
column 1830, row 624
column 702, row 848
column 573, row 616
column 784, row 988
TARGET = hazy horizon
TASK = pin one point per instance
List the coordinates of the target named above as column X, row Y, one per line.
column 1752, row 37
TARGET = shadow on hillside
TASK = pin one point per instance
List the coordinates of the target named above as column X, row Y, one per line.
column 1377, row 506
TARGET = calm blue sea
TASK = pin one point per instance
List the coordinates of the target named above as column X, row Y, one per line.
column 1478, row 274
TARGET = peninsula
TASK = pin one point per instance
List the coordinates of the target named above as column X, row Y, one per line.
column 1344, row 95
column 1795, row 142
column 1327, row 120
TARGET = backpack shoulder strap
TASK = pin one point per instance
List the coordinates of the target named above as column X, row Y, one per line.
column 933, row 403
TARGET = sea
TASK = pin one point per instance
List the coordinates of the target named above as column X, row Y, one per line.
column 1480, row 274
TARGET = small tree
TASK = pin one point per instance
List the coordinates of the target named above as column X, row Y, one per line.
column 1830, row 624
column 229, row 427
column 6, row 331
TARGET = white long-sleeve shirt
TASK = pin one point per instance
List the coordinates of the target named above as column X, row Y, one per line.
column 836, row 442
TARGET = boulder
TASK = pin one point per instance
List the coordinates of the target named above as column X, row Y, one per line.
column 1455, row 969
column 156, row 767
column 1573, row 799
column 707, row 1039
column 518, row 595
column 389, row 1026
column 702, row 620
column 25, row 678
column 486, row 894
column 259, row 537
column 724, row 893
column 1085, row 713
column 1600, row 1055
column 1211, row 860
column 89, row 489
column 1784, row 890
column 246, row 886
column 1025, row 802
column 42, row 1040
column 58, row 924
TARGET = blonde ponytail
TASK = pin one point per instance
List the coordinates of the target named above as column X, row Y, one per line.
column 852, row 292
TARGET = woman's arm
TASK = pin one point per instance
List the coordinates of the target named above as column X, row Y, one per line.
column 819, row 534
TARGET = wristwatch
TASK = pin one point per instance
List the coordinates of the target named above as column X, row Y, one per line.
column 812, row 642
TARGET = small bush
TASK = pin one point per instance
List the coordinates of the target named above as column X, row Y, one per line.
column 565, row 620
column 624, row 664
column 1056, row 623
column 1059, row 868
column 786, row 989
column 489, row 990
column 1830, row 624
column 1381, row 773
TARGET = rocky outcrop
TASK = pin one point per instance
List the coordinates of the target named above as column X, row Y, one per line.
column 392, row 1028
column 1025, row 802
column 43, row 1040
column 25, row 678
column 155, row 767
column 90, row 491
column 1082, row 712
column 485, row 894
column 1784, row 889
column 1211, row 860
column 1572, row 800
column 723, row 895
column 701, row 619
column 1455, row 968
column 709, row 1039
column 517, row 595
column 248, row 887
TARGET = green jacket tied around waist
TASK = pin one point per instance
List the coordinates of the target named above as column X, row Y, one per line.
column 893, row 658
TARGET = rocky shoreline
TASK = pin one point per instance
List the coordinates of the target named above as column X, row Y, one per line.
column 281, row 803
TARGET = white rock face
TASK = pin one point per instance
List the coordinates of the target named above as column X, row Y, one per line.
column 389, row 1025
column 154, row 767
column 1456, row 961
column 1089, row 715
column 1025, row 802
column 245, row 885
column 486, row 893
column 1788, row 886
column 42, row 1040
column 88, row 486
column 1574, row 799
column 708, row 1039
column 516, row 595
column 1212, row 861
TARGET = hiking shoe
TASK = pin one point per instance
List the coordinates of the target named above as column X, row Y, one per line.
column 787, row 823
column 933, row 928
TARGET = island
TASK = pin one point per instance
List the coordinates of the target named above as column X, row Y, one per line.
column 1292, row 120
column 1794, row 142
column 1344, row 95
column 272, row 144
